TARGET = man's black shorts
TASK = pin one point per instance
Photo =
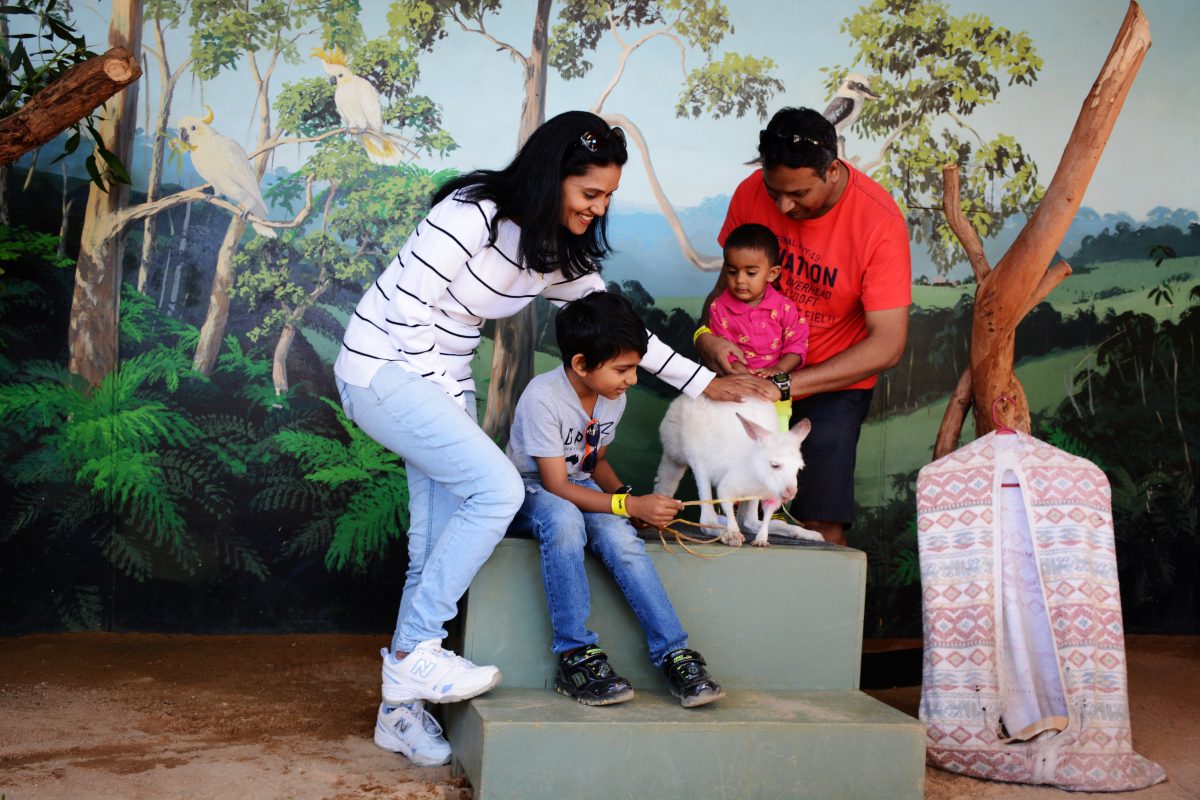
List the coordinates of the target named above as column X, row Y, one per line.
column 827, row 480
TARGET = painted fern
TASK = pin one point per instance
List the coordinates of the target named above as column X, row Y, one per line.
column 369, row 508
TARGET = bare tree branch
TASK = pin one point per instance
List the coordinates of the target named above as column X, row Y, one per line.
column 706, row 263
column 627, row 51
column 887, row 145
column 197, row 193
column 482, row 31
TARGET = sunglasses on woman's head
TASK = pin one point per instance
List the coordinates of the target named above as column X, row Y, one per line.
column 592, row 140
column 591, row 442
column 794, row 142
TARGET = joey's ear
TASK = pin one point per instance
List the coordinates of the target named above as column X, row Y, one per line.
column 801, row 429
column 753, row 430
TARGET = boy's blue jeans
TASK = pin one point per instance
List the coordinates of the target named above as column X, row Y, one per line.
column 562, row 532
column 462, row 492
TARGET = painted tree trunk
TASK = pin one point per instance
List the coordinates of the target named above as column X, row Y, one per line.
column 283, row 346
column 33, row 159
column 154, row 183
column 61, row 249
column 513, row 346
column 4, row 217
column 213, row 330
column 92, row 339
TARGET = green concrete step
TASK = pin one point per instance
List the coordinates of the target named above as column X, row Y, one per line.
column 528, row 744
column 781, row 618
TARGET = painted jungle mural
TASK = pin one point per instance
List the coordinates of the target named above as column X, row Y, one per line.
column 174, row 457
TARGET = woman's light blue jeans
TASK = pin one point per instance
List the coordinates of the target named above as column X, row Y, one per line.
column 462, row 492
column 562, row 532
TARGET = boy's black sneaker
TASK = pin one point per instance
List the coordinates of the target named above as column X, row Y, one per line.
column 587, row 676
column 689, row 680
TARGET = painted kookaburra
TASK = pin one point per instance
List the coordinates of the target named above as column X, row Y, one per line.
column 222, row 162
column 359, row 106
column 847, row 104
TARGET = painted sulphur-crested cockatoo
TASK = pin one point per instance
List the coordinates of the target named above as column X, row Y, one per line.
column 222, row 162
column 358, row 105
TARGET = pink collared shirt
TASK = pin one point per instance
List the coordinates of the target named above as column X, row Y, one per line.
column 764, row 332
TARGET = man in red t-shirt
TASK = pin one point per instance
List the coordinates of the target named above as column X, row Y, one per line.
column 845, row 258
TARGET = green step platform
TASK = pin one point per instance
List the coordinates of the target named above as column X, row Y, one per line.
column 781, row 629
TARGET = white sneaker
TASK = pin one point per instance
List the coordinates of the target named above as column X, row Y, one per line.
column 410, row 731
column 433, row 674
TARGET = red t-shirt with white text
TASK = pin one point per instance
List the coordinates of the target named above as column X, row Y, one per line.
column 852, row 259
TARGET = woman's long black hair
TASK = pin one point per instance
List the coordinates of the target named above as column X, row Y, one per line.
column 529, row 192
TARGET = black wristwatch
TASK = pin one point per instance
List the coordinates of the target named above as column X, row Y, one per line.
column 784, row 381
column 626, row 489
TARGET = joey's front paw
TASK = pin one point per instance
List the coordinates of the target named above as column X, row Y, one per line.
column 761, row 541
column 732, row 537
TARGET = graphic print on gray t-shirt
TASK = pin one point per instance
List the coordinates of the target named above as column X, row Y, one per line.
column 550, row 421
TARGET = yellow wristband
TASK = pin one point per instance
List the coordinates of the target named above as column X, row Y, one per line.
column 618, row 505
column 703, row 329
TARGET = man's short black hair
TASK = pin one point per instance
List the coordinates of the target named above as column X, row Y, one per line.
column 753, row 236
column 599, row 326
column 798, row 137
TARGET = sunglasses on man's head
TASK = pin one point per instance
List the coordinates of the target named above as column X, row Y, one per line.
column 592, row 140
column 591, row 442
column 791, row 141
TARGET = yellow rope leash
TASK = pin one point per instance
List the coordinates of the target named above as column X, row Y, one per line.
column 682, row 538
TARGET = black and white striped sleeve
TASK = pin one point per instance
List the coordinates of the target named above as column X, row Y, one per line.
column 660, row 360
column 436, row 252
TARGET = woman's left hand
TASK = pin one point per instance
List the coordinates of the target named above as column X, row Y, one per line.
column 741, row 387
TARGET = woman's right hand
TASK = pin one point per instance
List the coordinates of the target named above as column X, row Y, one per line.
column 715, row 353
column 656, row 509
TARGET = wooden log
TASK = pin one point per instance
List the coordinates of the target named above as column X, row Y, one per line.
column 955, row 415
column 68, row 99
column 964, row 230
column 1004, row 294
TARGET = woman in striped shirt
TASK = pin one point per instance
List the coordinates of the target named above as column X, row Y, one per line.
column 492, row 242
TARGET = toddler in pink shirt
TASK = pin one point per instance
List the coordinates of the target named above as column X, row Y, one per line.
column 770, row 329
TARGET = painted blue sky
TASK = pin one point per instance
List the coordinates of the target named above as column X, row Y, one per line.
column 1152, row 159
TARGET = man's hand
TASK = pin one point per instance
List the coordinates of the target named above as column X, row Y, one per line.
column 736, row 388
column 715, row 353
column 656, row 509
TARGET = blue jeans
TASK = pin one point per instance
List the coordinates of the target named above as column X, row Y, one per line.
column 462, row 492
column 562, row 532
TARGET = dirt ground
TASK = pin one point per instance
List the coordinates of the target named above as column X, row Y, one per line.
column 154, row 717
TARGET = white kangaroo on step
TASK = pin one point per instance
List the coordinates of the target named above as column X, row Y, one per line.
column 737, row 448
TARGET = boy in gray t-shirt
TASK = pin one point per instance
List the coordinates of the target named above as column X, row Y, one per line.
column 564, row 422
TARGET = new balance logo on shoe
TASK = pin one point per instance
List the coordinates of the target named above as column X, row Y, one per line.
column 423, row 669
column 412, row 732
column 430, row 673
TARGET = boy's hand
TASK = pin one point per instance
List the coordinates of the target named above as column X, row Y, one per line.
column 765, row 373
column 656, row 509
